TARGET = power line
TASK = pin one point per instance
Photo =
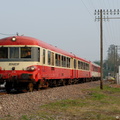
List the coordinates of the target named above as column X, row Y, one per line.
column 87, row 8
column 7, row 34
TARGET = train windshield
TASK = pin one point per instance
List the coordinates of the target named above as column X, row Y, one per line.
column 25, row 52
column 19, row 53
column 14, row 52
column 3, row 52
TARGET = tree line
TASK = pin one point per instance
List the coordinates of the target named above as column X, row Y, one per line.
column 111, row 63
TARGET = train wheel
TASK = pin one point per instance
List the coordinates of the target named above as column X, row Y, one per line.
column 47, row 84
column 30, row 87
column 42, row 84
column 63, row 82
column 69, row 81
column 75, row 81
column 38, row 85
column 54, row 83
column 8, row 87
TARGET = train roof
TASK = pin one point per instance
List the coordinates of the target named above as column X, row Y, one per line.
column 24, row 40
column 95, row 64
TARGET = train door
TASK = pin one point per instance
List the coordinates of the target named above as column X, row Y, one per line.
column 73, row 66
column 43, row 60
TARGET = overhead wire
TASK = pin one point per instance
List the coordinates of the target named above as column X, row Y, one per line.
column 7, row 34
column 111, row 39
column 109, row 27
column 107, row 34
column 87, row 9
column 113, row 24
column 92, row 10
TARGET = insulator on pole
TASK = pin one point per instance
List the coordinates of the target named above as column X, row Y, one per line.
column 118, row 11
column 98, row 12
column 114, row 11
column 107, row 12
column 111, row 11
column 95, row 12
column 104, row 12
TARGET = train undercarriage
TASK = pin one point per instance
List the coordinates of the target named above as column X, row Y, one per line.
column 31, row 85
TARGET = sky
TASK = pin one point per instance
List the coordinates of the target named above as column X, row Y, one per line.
column 67, row 24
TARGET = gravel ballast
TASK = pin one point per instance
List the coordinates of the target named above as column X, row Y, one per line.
column 17, row 105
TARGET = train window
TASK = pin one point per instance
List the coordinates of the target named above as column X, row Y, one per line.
column 87, row 66
column 95, row 69
column 14, row 52
column 68, row 62
column 26, row 52
column 20, row 53
column 49, row 57
column 82, row 65
column 43, row 56
column 78, row 64
column 64, row 62
column 52, row 57
column 57, row 59
column 3, row 52
column 74, row 63
column 38, row 54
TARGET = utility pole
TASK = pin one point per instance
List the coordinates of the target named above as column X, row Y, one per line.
column 100, row 17
column 101, row 49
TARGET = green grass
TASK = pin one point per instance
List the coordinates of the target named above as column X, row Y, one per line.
column 96, row 105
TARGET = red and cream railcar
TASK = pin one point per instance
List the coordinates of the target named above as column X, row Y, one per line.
column 95, row 71
column 28, row 62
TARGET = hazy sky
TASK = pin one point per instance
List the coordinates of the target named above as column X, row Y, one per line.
column 67, row 24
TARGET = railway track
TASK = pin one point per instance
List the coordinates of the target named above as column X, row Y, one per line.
column 13, row 91
column 3, row 92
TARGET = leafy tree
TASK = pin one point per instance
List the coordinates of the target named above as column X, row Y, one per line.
column 110, row 65
column 97, row 62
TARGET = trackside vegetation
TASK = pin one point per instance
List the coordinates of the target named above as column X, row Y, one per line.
column 96, row 105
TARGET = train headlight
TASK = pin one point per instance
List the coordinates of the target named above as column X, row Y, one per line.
column 31, row 68
column 13, row 39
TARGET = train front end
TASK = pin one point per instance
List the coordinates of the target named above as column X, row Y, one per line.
column 19, row 62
